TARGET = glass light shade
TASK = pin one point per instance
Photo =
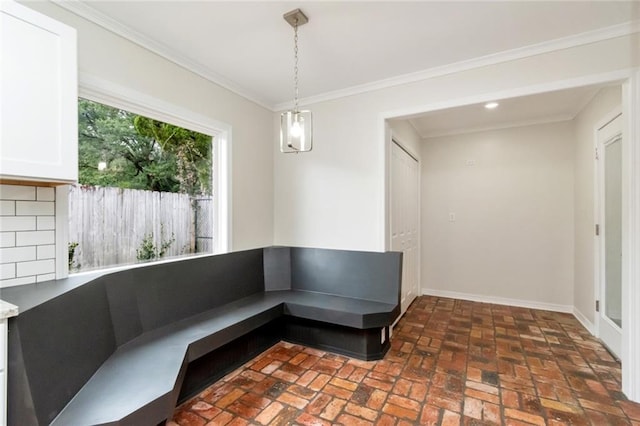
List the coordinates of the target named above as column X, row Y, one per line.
column 296, row 131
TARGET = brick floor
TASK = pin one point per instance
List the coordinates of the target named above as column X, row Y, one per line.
column 452, row 362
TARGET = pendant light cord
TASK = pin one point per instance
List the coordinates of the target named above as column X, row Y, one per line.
column 295, row 66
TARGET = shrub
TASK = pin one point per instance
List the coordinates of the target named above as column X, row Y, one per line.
column 72, row 252
column 148, row 249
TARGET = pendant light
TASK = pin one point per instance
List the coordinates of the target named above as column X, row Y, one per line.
column 296, row 125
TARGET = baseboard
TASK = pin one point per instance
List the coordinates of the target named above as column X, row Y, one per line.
column 591, row 328
column 499, row 300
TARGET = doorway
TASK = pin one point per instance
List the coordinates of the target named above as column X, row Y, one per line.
column 404, row 199
column 609, row 306
column 630, row 83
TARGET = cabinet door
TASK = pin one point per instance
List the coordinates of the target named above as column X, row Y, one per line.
column 38, row 92
column 3, row 372
column 3, row 400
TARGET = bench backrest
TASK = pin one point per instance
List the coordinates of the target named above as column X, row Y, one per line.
column 358, row 274
column 143, row 299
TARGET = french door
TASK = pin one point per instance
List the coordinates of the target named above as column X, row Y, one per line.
column 610, row 243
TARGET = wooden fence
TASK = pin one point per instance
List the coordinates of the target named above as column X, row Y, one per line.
column 110, row 224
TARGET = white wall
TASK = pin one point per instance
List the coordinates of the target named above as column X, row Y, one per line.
column 334, row 196
column 512, row 236
column 585, row 122
column 107, row 56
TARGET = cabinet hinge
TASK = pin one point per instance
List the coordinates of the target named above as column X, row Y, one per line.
column 597, row 306
column 597, row 156
column 597, row 229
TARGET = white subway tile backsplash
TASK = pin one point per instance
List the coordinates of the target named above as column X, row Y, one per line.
column 27, row 234
column 46, row 194
column 15, row 223
column 7, row 239
column 46, row 252
column 45, row 222
column 17, row 254
column 7, row 271
column 34, row 238
column 17, row 192
column 7, row 208
column 17, row 281
column 45, row 277
column 35, row 267
column 35, row 208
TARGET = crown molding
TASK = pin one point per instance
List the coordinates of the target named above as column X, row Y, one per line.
column 575, row 40
column 85, row 11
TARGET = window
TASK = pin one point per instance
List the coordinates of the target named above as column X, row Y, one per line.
column 145, row 190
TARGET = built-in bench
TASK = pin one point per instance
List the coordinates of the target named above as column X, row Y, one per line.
column 125, row 347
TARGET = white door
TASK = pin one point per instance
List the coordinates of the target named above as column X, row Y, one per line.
column 404, row 198
column 610, row 243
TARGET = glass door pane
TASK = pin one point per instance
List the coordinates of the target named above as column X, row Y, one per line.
column 613, row 230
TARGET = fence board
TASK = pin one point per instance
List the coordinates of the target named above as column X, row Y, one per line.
column 109, row 224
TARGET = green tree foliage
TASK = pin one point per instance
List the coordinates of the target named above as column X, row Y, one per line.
column 192, row 152
column 140, row 153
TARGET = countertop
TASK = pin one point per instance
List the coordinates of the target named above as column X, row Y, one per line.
column 7, row 310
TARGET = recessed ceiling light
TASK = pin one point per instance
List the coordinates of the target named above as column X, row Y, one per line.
column 491, row 105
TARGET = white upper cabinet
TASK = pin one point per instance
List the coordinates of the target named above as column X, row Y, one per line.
column 38, row 97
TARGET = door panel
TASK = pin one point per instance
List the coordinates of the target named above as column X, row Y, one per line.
column 404, row 210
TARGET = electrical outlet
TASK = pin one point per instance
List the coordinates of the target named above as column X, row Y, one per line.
column 470, row 162
column 452, row 217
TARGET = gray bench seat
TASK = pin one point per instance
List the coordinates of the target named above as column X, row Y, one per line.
column 142, row 378
column 339, row 310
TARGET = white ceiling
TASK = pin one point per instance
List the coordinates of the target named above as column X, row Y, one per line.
column 546, row 107
column 346, row 46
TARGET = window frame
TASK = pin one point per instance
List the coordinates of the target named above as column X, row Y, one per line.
column 111, row 94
